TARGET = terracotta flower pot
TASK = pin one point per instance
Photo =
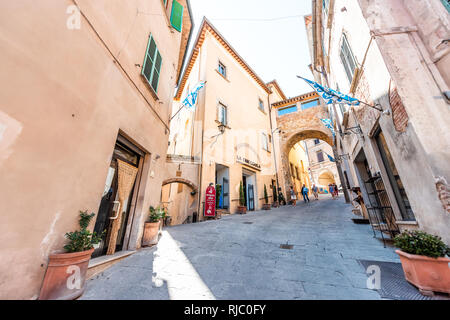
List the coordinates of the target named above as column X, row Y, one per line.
column 428, row 274
column 65, row 276
column 242, row 209
column 151, row 231
column 266, row 206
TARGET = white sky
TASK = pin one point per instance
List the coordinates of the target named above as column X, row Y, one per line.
column 276, row 49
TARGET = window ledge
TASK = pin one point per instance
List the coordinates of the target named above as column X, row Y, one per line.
column 263, row 111
column 226, row 126
column 222, row 75
column 406, row 222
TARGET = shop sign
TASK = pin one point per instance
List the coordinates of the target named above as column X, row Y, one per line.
column 248, row 162
column 210, row 202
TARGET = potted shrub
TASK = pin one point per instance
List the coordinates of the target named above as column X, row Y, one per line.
column 66, row 272
column 151, row 227
column 424, row 261
column 242, row 209
column 275, row 197
column 266, row 205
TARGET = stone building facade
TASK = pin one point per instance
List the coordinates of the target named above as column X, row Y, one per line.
column 390, row 55
column 87, row 90
column 322, row 169
column 226, row 138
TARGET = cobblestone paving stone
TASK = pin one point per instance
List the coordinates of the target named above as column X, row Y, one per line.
column 230, row 259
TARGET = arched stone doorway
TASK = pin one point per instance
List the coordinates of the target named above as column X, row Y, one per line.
column 179, row 197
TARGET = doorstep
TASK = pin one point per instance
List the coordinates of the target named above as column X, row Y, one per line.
column 100, row 264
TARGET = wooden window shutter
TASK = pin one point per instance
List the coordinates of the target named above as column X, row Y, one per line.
column 152, row 64
column 176, row 17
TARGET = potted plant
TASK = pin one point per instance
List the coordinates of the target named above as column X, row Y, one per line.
column 242, row 209
column 424, row 261
column 66, row 272
column 275, row 197
column 266, row 205
column 151, row 227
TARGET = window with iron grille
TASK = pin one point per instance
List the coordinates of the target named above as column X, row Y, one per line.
column 152, row 64
column 347, row 58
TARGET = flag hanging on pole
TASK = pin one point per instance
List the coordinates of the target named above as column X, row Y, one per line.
column 328, row 124
column 331, row 96
column 331, row 158
column 191, row 97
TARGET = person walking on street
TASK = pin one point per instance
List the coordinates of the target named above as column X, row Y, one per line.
column 293, row 196
column 336, row 191
column 331, row 190
column 305, row 193
column 315, row 191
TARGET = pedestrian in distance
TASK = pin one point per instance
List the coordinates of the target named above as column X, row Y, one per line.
column 331, row 190
column 293, row 196
column 315, row 191
column 305, row 193
column 336, row 191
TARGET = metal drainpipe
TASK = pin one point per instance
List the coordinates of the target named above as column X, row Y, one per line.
column 273, row 144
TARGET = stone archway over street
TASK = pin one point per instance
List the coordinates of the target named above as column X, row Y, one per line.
column 299, row 124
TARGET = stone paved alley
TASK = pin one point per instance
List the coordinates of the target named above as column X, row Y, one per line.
column 239, row 257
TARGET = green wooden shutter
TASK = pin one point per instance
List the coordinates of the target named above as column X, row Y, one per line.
column 152, row 64
column 176, row 17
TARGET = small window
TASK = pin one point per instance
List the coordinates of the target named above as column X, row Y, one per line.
column 261, row 105
column 222, row 114
column 222, row 69
column 176, row 17
column 316, row 141
column 320, row 156
column 310, row 104
column 152, row 64
column 347, row 59
column 287, row 110
column 265, row 142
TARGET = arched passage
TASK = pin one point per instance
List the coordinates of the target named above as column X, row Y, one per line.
column 296, row 158
column 180, row 202
column 326, row 178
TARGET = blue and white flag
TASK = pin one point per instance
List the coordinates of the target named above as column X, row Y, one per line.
column 191, row 97
column 331, row 96
column 331, row 158
column 328, row 124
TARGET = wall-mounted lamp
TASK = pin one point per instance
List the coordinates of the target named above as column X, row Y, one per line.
column 221, row 128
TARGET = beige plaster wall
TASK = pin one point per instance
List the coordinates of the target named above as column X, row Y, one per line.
column 65, row 96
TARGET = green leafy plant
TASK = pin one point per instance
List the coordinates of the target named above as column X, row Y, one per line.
column 156, row 214
column 83, row 239
column 421, row 243
column 241, row 194
column 274, row 191
column 218, row 193
column 266, row 197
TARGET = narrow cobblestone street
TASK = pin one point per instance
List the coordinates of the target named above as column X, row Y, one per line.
column 239, row 257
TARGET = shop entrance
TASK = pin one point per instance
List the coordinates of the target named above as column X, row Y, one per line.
column 249, row 182
column 222, row 180
column 117, row 199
